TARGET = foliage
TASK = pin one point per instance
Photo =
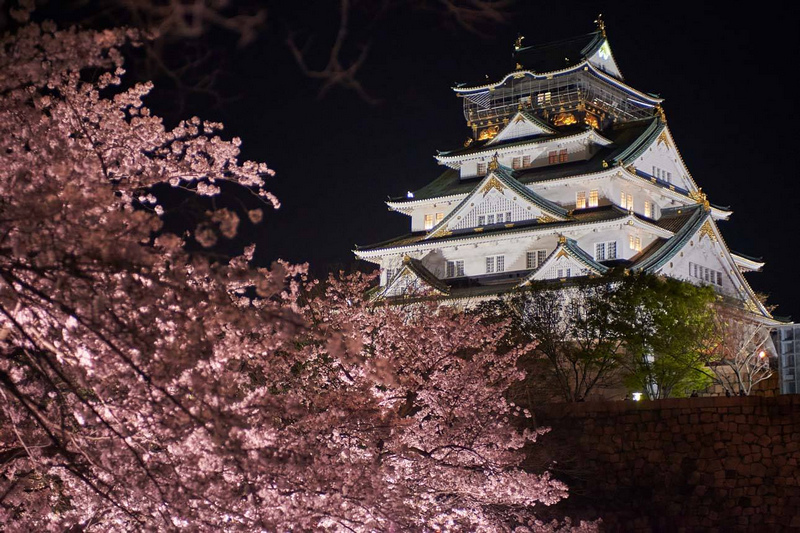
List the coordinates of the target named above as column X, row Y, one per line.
column 572, row 328
column 742, row 357
column 668, row 329
column 144, row 388
column 653, row 333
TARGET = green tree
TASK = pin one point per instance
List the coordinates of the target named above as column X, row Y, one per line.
column 668, row 327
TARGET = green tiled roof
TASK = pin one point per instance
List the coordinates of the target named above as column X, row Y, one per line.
column 449, row 182
column 600, row 214
column 559, row 54
column 690, row 219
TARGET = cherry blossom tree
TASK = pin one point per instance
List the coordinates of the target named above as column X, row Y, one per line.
column 742, row 357
column 144, row 387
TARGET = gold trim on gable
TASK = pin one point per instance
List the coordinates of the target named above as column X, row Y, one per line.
column 493, row 183
column 707, row 231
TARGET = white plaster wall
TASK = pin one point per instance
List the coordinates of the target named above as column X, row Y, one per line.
column 707, row 253
column 666, row 158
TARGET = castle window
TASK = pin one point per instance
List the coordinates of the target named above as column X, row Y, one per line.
column 428, row 221
column 526, row 161
column 634, row 243
column 562, row 156
column 481, row 220
column 552, row 157
column 500, row 217
column 439, row 217
column 455, row 268
column 535, row 258
column 626, row 201
column 390, row 273
column 495, row 263
column 489, row 219
column 543, row 99
column 481, row 169
column 648, row 210
column 516, row 163
column 662, row 174
column 593, row 198
column 605, row 250
column 708, row 275
column 580, row 200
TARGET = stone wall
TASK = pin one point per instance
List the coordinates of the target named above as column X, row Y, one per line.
column 692, row 464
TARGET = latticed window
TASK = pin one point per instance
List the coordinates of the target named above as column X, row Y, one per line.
column 455, row 268
column 580, row 200
column 535, row 258
column 594, row 198
column 626, row 201
column 481, row 220
column 481, row 169
column 648, row 210
column 600, row 251
column 526, row 161
column 562, row 156
column 439, row 217
column 516, row 163
column 635, row 243
column 495, row 263
column 552, row 157
column 709, row 275
column 428, row 221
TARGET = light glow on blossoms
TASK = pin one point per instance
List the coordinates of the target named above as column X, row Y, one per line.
column 144, row 388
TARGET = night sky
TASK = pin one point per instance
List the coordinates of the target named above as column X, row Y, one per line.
column 724, row 73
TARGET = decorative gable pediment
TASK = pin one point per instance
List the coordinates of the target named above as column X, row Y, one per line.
column 498, row 199
column 603, row 59
column 413, row 279
column 701, row 257
column 568, row 260
column 661, row 161
column 523, row 124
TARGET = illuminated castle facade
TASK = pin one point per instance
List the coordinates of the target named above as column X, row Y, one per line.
column 568, row 172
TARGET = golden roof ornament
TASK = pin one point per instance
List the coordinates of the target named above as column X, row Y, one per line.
column 562, row 239
column 493, row 164
column 661, row 114
column 700, row 197
column 601, row 24
column 518, row 42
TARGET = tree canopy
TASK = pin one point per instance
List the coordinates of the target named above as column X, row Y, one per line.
column 144, row 387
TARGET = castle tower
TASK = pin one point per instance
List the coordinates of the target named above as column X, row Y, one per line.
column 568, row 171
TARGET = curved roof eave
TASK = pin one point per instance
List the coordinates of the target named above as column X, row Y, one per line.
column 583, row 65
column 575, row 137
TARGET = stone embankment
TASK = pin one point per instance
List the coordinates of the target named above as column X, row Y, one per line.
column 693, row 464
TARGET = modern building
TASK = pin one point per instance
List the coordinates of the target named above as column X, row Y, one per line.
column 787, row 346
column 568, row 171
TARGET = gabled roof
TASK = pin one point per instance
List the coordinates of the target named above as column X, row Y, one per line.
column 582, row 218
column 499, row 178
column 684, row 223
column 449, row 183
column 572, row 133
column 566, row 248
column 523, row 124
column 415, row 269
column 557, row 55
